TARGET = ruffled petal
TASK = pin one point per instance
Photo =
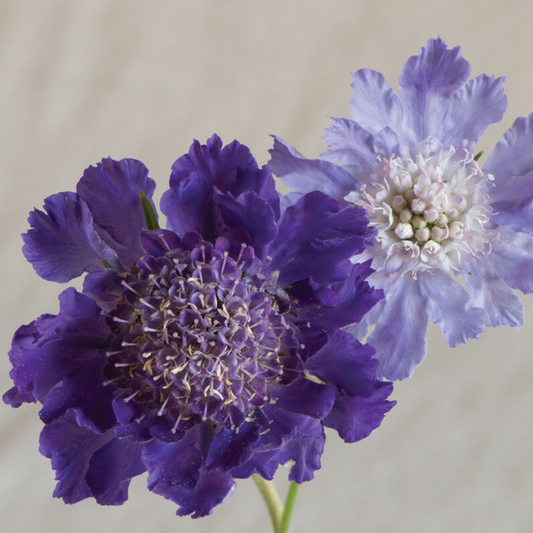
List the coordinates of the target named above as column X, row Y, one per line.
column 375, row 105
column 354, row 418
column 63, row 243
column 71, row 448
column 50, row 348
column 476, row 105
column 448, row 305
column 305, row 175
column 340, row 305
column 111, row 190
column 111, row 469
column 316, row 238
column 493, row 295
column 185, row 204
column 304, row 397
column 303, row 451
column 400, row 333
column 349, row 144
column 512, row 259
column 427, row 83
column 346, row 364
column 84, row 392
column 251, row 213
column 511, row 164
column 176, row 472
column 231, row 448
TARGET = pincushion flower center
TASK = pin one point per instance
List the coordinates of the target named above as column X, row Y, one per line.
column 430, row 211
column 196, row 342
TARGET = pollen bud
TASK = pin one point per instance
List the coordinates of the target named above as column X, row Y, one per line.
column 405, row 215
column 457, row 230
column 459, row 202
column 431, row 214
column 419, row 223
column 404, row 231
column 418, row 206
column 422, row 235
column 398, row 203
column 438, row 234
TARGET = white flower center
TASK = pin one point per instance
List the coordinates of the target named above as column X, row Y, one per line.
column 430, row 211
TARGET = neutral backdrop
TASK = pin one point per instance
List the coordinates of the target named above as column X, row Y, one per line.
column 82, row 80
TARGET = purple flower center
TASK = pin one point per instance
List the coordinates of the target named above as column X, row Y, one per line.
column 195, row 339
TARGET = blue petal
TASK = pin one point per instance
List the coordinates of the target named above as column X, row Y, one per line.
column 63, row 243
column 491, row 293
column 474, row 107
column 511, row 164
column 448, row 305
column 304, row 397
column 111, row 190
column 512, row 259
column 250, row 212
column 51, row 347
column 375, row 105
column 231, row 448
column 349, row 144
column 111, row 469
column 186, row 203
column 427, row 83
column 346, row 364
column 400, row 333
column 83, row 391
column 71, row 448
column 340, row 305
column 305, row 175
column 176, row 472
column 316, row 238
column 355, row 418
column 305, row 449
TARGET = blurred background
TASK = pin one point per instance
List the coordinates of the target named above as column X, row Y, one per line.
column 86, row 79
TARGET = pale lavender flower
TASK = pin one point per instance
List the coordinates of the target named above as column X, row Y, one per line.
column 409, row 159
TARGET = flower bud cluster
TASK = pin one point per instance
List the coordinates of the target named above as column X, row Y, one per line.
column 430, row 211
column 195, row 339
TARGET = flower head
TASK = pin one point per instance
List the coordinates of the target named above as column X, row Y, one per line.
column 409, row 159
column 204, row 352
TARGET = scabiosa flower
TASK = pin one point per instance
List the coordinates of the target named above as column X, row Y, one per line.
column 409, row 159
column 204, row 352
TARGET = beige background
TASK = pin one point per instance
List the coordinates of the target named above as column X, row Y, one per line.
column 80, row 80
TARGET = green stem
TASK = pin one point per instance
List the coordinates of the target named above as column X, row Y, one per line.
column 272, row 500
column 289, row 506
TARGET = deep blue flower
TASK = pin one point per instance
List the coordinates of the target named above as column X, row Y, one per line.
column 204, row 352
column 409, row 159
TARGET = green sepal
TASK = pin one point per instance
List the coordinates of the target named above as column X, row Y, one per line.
column 149, row 212
column 477, row 156
column 107, row 266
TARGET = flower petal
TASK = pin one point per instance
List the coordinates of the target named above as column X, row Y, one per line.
column 400, row 333
column 512, row 259
column 448, row 305
column 63, row 243
column 111, row 469
column 50, row 348
column 111, row 190
column 476, row 105
column 316, row 238
column 427, row 83
column 511, row 164
column 305, row 175
column 71, row 448
column 349, row 144
column 493, row 295
column 356, row 417
column 375, row 105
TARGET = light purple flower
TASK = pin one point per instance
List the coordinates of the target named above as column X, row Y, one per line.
column 409, row 159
